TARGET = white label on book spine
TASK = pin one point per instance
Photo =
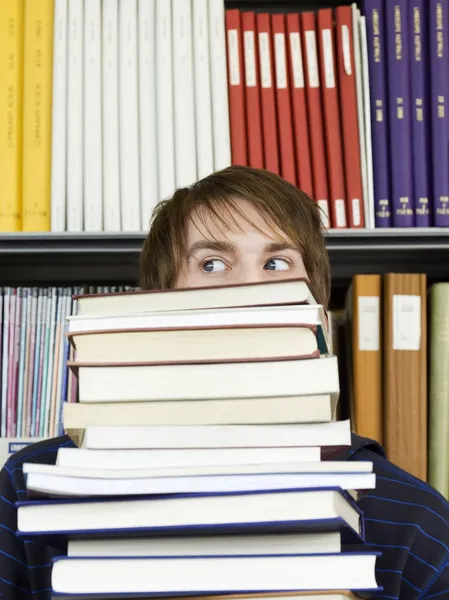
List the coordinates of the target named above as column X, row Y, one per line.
column 346, row 49
column 328, row 57
column 250, row 59
column 312, row 60
column 406, row 322
column 296, row 56
column 281, row 66
column 234, row 67
column 324, row 206
column 356, row 212
column 265, row 62
column 369, row 323
column 340, row 212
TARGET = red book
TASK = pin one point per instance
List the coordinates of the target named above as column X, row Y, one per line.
column 331, row 113
column 299, row 105
column 319, row 172
column 283, row 100
column 252, row 91
column 267, row 94
column 348, row 107
column 236, row 87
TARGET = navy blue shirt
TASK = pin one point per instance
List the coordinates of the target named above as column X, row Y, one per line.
column 405, row 519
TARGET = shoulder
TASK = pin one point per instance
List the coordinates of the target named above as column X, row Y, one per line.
column 408, row 522
column 26, row 564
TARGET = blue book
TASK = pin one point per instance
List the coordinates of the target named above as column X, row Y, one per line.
column 374, row 11
column 439, row 73
column 398, row 64
column 421, row 125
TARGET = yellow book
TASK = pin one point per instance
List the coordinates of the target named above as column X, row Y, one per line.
column 11, row 99
column 38, row 73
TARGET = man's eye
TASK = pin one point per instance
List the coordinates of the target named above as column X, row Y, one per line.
column 277, row 264
column 213, row 266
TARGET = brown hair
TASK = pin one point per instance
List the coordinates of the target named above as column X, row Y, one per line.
column 287, row 210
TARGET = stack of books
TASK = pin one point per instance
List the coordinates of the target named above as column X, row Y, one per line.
column 198, row 470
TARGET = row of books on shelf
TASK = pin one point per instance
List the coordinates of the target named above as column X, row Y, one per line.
column 381, row 339
column 139, row 97
column 234, row 495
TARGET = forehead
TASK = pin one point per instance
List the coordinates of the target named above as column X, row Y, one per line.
column 236, row 217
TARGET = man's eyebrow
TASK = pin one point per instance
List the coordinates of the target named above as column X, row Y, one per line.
column 211, row 245
column 279, row 247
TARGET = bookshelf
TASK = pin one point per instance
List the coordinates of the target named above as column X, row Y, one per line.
column 109, row 258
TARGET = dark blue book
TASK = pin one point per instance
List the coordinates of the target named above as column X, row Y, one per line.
column 398, row 64
column 439, row 73
column 418, row 27
column 374, row 11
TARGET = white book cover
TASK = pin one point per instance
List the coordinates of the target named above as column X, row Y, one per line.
column 129, row 116
column 183, row 93
column 164, row 99
column 219, row 81
column 360, row 107
column 59, row 118
column 110, row 114
column 75, row 106
column 369, row 213
column 93, row 168
column 147, row 111
column 203, row 92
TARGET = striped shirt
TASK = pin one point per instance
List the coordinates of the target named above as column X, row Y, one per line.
column 405, row 519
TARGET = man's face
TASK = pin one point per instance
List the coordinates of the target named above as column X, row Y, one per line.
column 243, row 254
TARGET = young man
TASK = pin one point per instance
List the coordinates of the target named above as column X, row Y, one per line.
column 242, row 225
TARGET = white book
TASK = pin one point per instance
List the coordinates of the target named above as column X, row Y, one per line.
column 11, row 445
column 59, row 118
column 219, row 85
column 164, row 100
column 214, row 511
column 221, row 545
column 147, row 111
column 183, row 93
column 360, row 106
column 75, row 106
column 110, row 114
column 129, row 116
column 370, row 211
column 104, row 437
column 66, row 486
column 215, row 575
column 203, row 92
column 93, row 168
column 168, row 458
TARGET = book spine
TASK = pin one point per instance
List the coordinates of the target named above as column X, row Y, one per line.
column 11, row 95
column 375, row 24
column 419, row 71
column 319, row 171
column 331, row 114
column 283, row 100
column 252, row 91
column 400, row 112
column 299, row 104
column 439, row 73
column 349, row 122
column 236, row 84
column 267, row 94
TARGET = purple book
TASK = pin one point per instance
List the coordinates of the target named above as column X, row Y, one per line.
column 419, row 78
column 374, row 12
column 439, row 73
column 398, row 66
